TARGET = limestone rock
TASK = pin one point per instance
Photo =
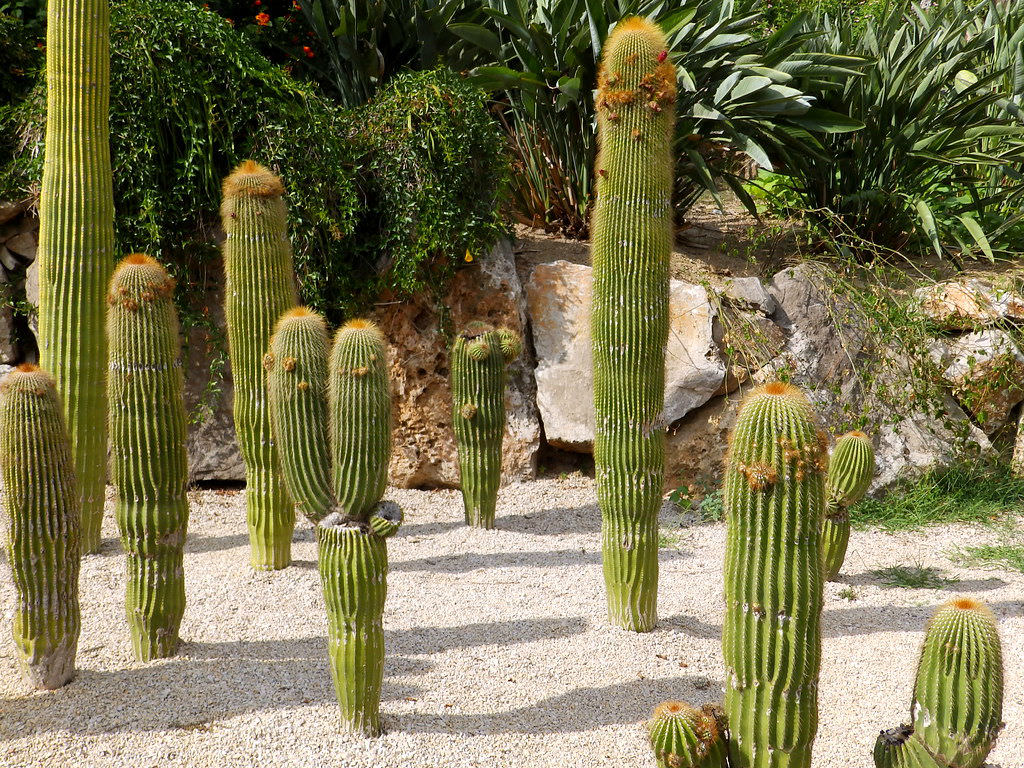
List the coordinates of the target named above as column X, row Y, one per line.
column 9, row 350
column 748, row 293
column 969, row 302
column 986, row 372
column 424, row 452
column 558, row 299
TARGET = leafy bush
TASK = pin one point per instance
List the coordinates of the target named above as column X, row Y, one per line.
column 778, row 13
column 934, row 106
column 734, row 93
column 433, row 172
column 191, row 98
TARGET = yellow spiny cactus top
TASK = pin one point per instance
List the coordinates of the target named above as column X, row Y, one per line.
column 250, row 179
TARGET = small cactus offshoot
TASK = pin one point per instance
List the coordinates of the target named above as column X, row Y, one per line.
column 685, row 737
column 479, row 357
column 850, row 470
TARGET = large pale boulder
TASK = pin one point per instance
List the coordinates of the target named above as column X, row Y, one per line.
column 986, row 373
column 969, row 302
column 558, row 297
column 424, row 452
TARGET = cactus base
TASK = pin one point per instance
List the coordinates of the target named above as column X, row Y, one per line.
column 835, row 539
column 630, row 556
column 271, row 519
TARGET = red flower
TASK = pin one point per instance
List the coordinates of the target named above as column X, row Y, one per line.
column 296, row 6
column 308, row 51
column 662, row 56
column 263, row 19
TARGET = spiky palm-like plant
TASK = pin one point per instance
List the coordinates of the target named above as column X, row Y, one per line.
column 630, row 248
column 332, row 422
column 260, row 286
column 44, row 525
column 149, row 464
column 771, row 639
column 479, row 357
column 76, row 237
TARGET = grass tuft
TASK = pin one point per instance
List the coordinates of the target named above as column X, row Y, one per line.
column 972, row 493
column 1006, row 557
column 913, row 577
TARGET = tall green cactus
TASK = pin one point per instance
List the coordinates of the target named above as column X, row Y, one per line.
column 44, row 525
column 774, row 497
column 957, row 708
column 684, row 737
column 76, row 237
column 148, row 460
column 345, row 406
column 850, row 470
column 479, row 357
column 260, row 286
column 630, row 248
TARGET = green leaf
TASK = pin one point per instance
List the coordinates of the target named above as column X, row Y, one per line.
column 924, row 212
column 972, row 226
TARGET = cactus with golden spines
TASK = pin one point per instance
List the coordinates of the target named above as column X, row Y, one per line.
column 149, row 465
column 957, row 708
column 630, row 248
column 332, row 421
column 76, row 237
column 260, row 287
column 774, row 497
column 683, row 736
column 479, row 359
column 850, row 470
column 43, row 525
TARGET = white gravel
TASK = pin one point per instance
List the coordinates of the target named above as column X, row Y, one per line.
column 498, row 652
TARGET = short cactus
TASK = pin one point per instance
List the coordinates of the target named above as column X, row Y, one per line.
column 479, row 357
column 630, row 249
column 957, row 708
column 685, row 737
column 774, row 497
column 850, row 470
column 346, row 406
column 44, row 525
column 260, row 286
column 149, row 465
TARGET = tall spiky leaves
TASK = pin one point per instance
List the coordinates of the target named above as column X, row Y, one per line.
column 76, row 237
column 631, row 244
column 260, row 287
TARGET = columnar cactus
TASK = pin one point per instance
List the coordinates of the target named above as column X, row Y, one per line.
column 148, row 461
column 684, row 737
column 850, row 470
column 774, row 497
column 957, row 708
column 44, row 525
column 346, row 407
column 76, row 237
column 260, row 286
column 631, row 244
column 479, row 357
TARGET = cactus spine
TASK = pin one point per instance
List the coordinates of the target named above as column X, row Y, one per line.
column 260, row 286
column 44, row 525
column 631, row 244
column 850, row 470
column 342, row 489
column 479, row 357
column 148, row 460
column 684, row 737
column 76, row 237
column 771, row 639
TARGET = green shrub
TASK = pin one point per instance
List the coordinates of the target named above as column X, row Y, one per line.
column 388, row 197
column 433, row 171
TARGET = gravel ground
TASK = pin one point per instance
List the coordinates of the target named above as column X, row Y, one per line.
column 498, row 649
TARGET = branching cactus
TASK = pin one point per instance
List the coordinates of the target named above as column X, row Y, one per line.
column 44, row 525
column 260, row 287
column 850, row 470
column 479, row 357
column 148, row 460
column 76, row 237
column 774, row 497
column 685, row 737
column 957, row 709
column 345, row 406
column 631, row 244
